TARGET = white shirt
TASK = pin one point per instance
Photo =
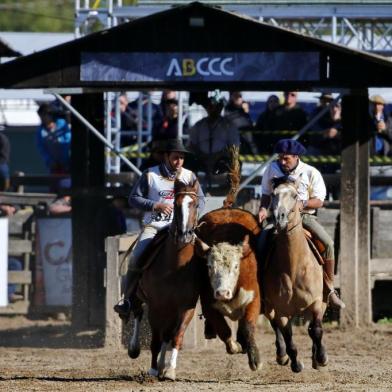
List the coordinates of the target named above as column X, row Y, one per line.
column 161, row 190
column 311, row 183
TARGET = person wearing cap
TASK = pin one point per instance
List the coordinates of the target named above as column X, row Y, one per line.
column 325, row 100
column 325, row 136
column 154, row 194
column 210, row 137
column 289, row 116
column 54, row 141
column 378, row 117
column 312, row 192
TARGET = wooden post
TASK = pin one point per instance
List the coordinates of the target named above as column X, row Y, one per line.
column 364, row 280
column 113, row 324
column 354, row 229
column 87, row 170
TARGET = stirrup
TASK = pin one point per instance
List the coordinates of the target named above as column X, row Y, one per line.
column 123, row 309
column 338, row 302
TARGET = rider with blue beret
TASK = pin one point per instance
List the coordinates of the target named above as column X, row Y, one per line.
column 311, row 192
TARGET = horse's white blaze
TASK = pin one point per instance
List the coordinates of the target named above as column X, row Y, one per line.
column 173, row 358
column 135, row 334
column 186, row 201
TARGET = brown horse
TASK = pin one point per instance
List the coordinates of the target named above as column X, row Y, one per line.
column 169, row 285
column 293, row 280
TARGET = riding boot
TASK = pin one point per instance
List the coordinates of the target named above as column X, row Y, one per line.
column 132, row 279
column 330, row 294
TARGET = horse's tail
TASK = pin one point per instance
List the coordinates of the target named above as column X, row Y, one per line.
column 234, row 175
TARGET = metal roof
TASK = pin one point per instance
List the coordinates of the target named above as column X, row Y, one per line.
column 173, row 31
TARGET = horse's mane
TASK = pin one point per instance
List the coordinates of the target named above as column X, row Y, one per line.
column 287, row 179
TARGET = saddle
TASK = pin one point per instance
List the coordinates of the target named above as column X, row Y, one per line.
column 315, row 245
column 154, row 248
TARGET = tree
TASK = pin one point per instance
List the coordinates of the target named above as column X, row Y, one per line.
column 37, row 15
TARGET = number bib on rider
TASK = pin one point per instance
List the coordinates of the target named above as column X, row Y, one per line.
column 161, row 190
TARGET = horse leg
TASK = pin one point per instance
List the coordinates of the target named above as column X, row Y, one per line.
column 134, row 341
column 170, row 372
column 162, row 360
column 281, row 355
column 155, row 347
column 285, row 328
column 319, row 354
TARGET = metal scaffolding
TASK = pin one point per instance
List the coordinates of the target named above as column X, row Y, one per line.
column 364, row 25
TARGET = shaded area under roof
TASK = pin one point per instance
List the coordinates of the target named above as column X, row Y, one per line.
column 201, row 29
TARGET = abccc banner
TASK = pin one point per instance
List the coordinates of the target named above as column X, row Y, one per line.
column 198, row 67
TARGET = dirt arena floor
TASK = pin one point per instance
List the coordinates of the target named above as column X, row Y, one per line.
column 47, row 356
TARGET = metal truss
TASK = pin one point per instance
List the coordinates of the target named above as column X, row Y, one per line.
column 357, row 24
column 364, row 25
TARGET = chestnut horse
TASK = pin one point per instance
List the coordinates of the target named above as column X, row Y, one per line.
column 169, row 285
column 292, row 280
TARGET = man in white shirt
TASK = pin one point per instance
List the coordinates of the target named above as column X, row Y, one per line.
column 312, row 192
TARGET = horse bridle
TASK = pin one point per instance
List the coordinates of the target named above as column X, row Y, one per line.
column 192, row 230
column 289, row 213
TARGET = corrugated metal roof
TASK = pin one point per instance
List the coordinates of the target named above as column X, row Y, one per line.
column 223, row 31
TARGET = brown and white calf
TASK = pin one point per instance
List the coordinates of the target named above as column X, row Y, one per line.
column 232, row 290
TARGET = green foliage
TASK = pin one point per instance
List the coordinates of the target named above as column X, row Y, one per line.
column 37, row 15
column 385, row 320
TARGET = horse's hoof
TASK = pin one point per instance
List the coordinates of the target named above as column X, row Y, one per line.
column 254, row 359
column 255, row 365
column 233, row 347
column 282, row 361
column 169, row 374
column 316, row 363
column 152, row 372
column 298, row 367
column 133, row 352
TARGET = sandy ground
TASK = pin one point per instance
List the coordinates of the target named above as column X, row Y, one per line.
column 47, row 356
